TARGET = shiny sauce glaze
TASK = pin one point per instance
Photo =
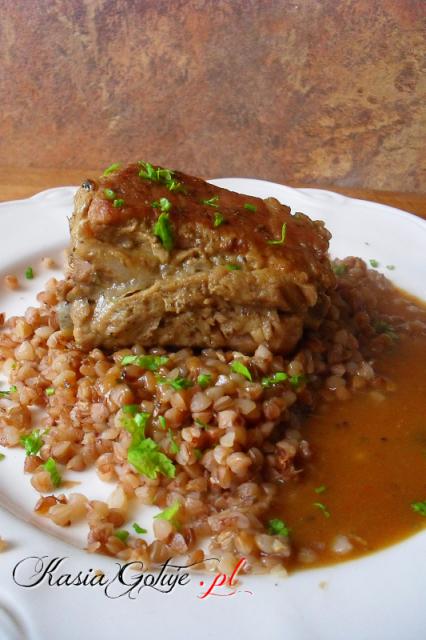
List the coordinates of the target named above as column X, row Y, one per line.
column 368, row 466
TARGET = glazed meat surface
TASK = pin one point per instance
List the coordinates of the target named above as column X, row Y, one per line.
column 159, row 258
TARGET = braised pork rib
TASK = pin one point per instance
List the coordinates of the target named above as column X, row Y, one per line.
column 161, row 258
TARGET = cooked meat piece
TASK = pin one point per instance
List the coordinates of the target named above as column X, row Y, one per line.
column 162, row 258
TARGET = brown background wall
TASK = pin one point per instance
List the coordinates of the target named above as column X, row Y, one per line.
column 311, row 91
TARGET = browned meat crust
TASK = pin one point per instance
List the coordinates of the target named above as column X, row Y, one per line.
column 218, row 286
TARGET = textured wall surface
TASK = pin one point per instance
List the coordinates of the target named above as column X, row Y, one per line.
column 312, row 91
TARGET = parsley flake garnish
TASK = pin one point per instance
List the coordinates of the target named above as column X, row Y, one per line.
column 148, row 172
column 340, row 269
column 112, row 168
column 148, row 460
column 381, row 326
column 174, row 447
column 50, row 391
column 162, row 421
column 136, row 424
column 320, row 489
column 283, row 235
column 163, row 176
column 6, row 392
column 152, row 363
column 177, row 383
column 163, row 231
column 29, row 273
column 250, row 207
column 109, row 194
column 170, row 513
column 277, row 527
column 211, row 202
column 239, row 367
column 218, row 219
column 233, row 267
column 118, row 202
column 121, row 534
column 374, row 263
column 163, row 204
column 391, row 267
column 419, row 507
column 323, row 508
column 50, row 466
column 201, row 424
column 32, row 442
column 143, row 453
column 279, row 376
column 295, row 381
column 204, row 380
column 138, row 528
column 130, row 409
column 2, row 456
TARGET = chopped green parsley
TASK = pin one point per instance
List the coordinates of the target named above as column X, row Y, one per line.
column 163, row 204
column 162, row 421
column 118, row 202
column 50, row 391
column 121, row 534
column 163, row 231
column 295, row 381
column 112, row 168
column 283, row 235
column 201, row 424
column 381, row 326
column 6, row 392
column 174, row 447
column 320, row 489
column 177, row 383
column 138, row 528
column 148, row 460
column 323, row 508
column 163, row 176
column 391, row 267
column 2, row 456
column 144, row 454
column 29, row 273
column 277, row 527
column 374, row 263
column 211, row 202
column 32, row 442
column 152, row 363
column 239, row 367
column 50, row 466
column 279, row 376
column 130, row 409
column 340, row 269
column 419, row 507
column 204, row 380
column 169, row 513
column 233, row 267
column 109, row 194
column 136, row 425
column 218, row 219
column 250, row 207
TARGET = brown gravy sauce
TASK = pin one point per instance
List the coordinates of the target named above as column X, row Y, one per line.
column 368, row 465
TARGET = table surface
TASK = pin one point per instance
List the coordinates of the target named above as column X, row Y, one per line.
column 22, row 183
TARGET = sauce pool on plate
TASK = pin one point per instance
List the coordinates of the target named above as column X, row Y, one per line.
column 368, row 467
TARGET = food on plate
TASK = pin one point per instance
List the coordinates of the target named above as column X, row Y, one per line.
column 254, row 437
column 164, row 259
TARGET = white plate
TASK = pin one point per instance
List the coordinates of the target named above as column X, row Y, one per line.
column 379, row 597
